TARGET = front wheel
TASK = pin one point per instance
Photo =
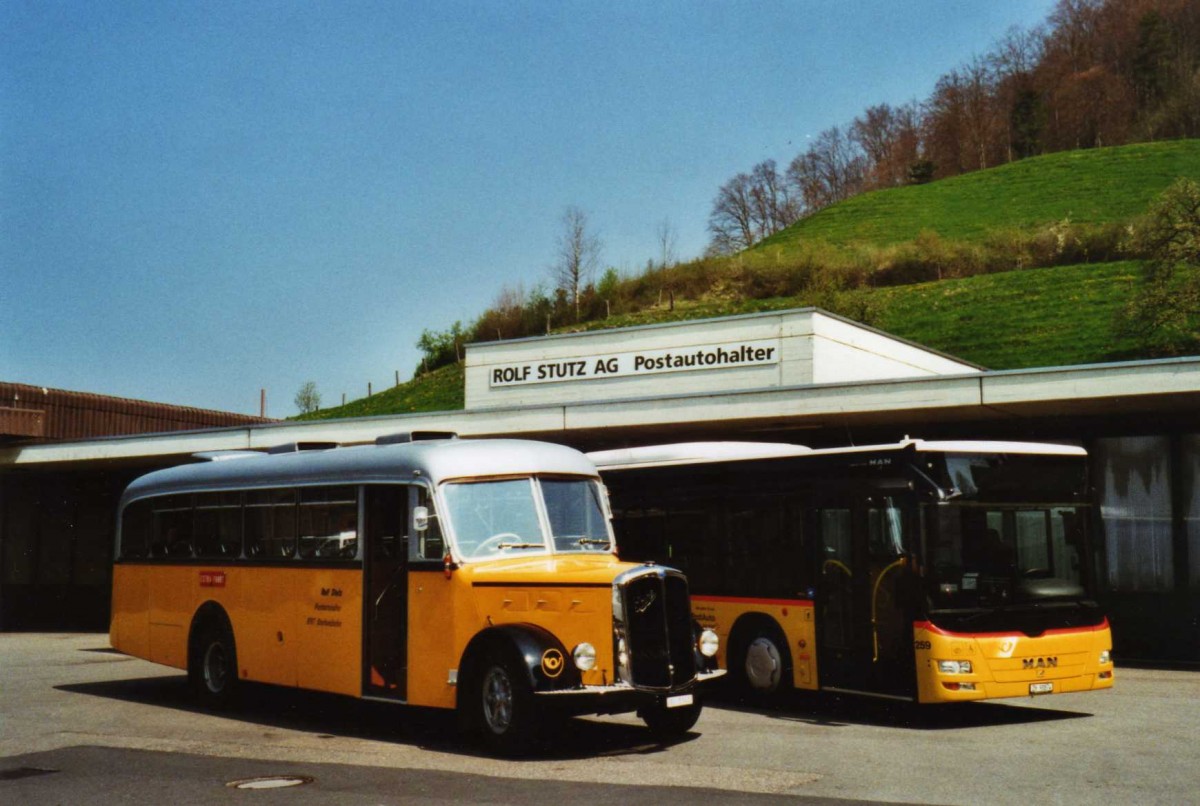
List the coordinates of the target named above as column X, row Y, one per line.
column 671, row 723
column 212, row 666
column 759, row 664
column 499, row 706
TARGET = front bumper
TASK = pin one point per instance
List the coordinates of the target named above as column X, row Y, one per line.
column 617, row 698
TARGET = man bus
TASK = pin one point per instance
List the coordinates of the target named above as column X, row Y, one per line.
column 924, row 571
column 470, row 574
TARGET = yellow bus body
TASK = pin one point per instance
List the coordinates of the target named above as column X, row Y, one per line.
column 303, row 626
column 1012, row 664
column 1003, row 665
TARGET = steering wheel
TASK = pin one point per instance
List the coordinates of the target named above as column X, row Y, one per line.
column 493, row 543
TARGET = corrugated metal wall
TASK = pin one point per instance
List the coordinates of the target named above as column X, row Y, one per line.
column 79, row 415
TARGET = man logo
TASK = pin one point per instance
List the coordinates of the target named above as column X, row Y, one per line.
column 552, row 663
column 1039, row 663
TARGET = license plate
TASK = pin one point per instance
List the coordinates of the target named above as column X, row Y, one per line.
column 1041, row 688
column 679, row 700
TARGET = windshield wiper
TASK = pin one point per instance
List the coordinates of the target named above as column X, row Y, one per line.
column 594, row 541
column 521, row 546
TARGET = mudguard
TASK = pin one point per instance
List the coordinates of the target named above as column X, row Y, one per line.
column 548, row 663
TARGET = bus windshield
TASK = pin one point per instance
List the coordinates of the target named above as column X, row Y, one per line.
column 500, row 518
column 991, row 555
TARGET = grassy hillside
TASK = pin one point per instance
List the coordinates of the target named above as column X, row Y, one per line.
column 1004, row 320
column 440, row 390
column 1090, row 187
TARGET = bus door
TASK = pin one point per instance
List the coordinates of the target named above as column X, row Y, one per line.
column 864, row 629
column 386, row 592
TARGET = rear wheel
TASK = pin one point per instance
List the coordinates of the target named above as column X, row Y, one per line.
column 212, row 665
column 498, row 703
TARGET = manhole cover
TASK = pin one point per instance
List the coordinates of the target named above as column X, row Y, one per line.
column 270, row 782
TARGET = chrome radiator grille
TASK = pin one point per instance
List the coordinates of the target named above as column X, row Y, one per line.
column 654, row 621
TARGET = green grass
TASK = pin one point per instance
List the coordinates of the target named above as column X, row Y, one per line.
column 1013, row 320
column 1018, row 319
column 1010, row 320
column 1090, row 187
column 440, row 390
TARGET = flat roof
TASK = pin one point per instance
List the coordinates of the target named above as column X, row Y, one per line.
column 1092, row 389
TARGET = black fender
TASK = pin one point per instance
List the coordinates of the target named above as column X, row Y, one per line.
column 544, row 658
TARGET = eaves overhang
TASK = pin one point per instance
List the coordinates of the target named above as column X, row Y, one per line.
column 1128, row 387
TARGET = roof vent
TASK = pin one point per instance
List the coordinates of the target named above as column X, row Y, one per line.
column 414, row 436
column 221, row 456
column 296, row 447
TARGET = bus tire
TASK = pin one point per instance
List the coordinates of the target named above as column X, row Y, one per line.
column 212, row 663
column 760, row 666
column 670, row 723
column 498, row 703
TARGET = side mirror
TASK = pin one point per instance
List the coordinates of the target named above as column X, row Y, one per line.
column 421, row 518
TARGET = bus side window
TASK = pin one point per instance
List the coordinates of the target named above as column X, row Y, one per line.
column 270, row 524
column 172, row 530
column 218, row 525
column 135, row 531
column 430, row 545
column 328, row 523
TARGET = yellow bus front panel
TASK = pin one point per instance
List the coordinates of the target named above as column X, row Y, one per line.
column 1010, row 664
column 794, row 616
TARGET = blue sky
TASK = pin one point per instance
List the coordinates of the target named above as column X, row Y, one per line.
column 202, row 199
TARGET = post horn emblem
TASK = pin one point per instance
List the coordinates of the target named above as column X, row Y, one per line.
column 552, row 663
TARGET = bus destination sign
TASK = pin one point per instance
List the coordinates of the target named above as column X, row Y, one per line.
column 642, row 362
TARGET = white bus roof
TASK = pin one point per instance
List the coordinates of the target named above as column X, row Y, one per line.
column 429, row 460
column 689, row 453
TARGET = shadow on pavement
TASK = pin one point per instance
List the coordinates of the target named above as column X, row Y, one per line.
column 838, row 710
column 330, row 716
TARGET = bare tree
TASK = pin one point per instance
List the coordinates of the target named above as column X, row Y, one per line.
column 890, row 140
column 578, row 255
column 749, row 207
column 667, row 242
column 832, row 170
column 731, row 222
column 308, row 399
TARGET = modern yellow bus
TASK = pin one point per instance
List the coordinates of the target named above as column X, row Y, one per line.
column 478, row 575
column 923, row 571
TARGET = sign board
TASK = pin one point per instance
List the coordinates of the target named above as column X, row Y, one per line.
column 731, row 355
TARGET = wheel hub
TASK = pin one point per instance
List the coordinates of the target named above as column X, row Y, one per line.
column 763, row 664
column 497, row 700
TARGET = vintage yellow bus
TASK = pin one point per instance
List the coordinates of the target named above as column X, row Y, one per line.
column 923, row 571
column 478, row 575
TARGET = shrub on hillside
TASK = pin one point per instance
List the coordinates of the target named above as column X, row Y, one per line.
column 1165, row 310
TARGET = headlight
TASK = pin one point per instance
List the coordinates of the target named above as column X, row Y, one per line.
column 585, row 657
column 954, row 666
column 708, row 643
column 1105, row 657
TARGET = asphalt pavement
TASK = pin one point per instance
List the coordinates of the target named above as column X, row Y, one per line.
column 81, row 723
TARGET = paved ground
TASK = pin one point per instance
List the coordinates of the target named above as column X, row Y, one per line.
column 79, row 723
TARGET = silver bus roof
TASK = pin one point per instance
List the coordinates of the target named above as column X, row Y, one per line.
column 430, row 460
column 687, row 453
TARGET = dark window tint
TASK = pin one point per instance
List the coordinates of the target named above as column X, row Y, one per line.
column 217, row 525
column 135, row 531
column 270, row 523
column 328, row 523
column 172, row 526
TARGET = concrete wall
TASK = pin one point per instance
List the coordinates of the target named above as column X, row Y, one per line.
column 758, row 351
